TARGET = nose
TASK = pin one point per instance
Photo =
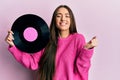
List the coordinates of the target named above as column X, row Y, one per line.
column 63, row 18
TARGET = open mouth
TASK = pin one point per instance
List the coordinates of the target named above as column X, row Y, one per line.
column 63, row 23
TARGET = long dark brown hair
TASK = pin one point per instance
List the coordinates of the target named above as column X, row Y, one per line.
column 47, row 62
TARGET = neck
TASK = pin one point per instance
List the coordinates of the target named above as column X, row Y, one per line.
column 64, row 34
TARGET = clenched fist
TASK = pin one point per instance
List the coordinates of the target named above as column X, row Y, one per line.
column 92, row 43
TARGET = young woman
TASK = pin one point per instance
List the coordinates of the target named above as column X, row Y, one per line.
column 66, row 56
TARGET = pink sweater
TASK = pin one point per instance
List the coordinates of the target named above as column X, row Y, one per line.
column 72, row 60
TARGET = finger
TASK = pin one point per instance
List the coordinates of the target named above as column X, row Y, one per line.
column 10, row 32
column 90, row 41
column 94, row 37
column 9, row 39
column 10, row 42
column 11, row 36
column 94, row 42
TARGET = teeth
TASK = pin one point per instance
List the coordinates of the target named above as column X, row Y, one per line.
column 62, row 24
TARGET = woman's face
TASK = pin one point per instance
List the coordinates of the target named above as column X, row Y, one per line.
column 63, row 19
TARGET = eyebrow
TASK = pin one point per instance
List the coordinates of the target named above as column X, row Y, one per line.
column 61, row 13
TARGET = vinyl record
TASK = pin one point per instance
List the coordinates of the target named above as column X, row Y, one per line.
column 31, row 33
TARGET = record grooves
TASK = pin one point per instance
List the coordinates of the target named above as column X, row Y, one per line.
column 30, row 21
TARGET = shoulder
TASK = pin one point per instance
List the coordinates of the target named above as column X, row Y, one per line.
column 78, row 36
column 79, row 39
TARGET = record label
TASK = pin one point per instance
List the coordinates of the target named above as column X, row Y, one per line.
column 30, row 34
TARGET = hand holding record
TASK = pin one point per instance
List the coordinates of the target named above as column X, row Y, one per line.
column 9, row 38
column 31, row 33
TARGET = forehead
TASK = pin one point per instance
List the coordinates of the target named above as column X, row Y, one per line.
column 62, row 10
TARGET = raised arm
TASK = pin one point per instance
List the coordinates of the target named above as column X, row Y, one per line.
column 85, row 52
column 28, row 60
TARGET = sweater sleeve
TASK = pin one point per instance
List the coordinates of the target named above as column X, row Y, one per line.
column 83, row 58
column 28, row 60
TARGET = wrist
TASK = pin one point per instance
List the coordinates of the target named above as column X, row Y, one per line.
column 88, row 47
column 11, row 45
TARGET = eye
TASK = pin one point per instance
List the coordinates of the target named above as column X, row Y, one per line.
column 67, row 16
column 58, row 15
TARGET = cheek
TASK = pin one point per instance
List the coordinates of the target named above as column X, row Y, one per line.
column 69, row 23
column 57, row 22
